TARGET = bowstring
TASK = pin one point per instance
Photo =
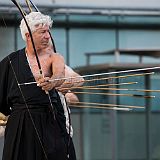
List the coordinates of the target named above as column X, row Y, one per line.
column 53, row 109
column 38, row 62
column 68, row 110
column 23, row 97
column 50, row 101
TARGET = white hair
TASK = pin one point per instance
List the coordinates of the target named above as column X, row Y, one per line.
column 33, row 19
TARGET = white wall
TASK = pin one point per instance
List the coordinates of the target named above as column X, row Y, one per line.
column 102, row 3
column 113, row 3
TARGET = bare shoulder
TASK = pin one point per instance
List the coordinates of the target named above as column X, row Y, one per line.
column 57, row 57
column 70, row 72
column 49, row 52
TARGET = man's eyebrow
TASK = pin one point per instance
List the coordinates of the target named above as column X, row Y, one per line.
column 41, row 29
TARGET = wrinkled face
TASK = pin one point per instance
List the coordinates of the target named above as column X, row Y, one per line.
column 41, row 37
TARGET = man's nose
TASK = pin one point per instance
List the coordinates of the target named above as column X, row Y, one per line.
column 47, row 35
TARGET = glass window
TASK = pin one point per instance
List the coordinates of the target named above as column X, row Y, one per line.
column 7, row 42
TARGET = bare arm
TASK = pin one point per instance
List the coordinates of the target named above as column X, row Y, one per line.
column 74, row 79
column 71, row 98
column 58, row 69
column 58, row 72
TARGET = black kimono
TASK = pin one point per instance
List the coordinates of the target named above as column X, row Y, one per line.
column 32, row 132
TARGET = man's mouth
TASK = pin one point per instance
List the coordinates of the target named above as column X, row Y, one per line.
column 45, row 43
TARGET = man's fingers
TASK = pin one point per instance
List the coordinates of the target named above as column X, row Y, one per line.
column 43, row 81
column 2, row 116
column 48, row 87
column 45, row 84
column 3, row 119
column 3, row 123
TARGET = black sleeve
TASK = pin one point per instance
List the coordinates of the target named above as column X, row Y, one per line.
column 4, row 70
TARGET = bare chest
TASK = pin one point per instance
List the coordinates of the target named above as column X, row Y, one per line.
column 46, row 66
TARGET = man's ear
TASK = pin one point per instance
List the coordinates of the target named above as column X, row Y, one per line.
column 27, row 36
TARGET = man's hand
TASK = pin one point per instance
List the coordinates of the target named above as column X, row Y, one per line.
column 65, row 87
column 45, row 84
column 3, row 119
column 71, row 98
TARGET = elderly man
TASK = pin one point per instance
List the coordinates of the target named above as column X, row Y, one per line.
column 36, row 127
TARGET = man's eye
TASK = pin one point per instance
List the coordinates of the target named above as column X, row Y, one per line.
column 41, row 32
